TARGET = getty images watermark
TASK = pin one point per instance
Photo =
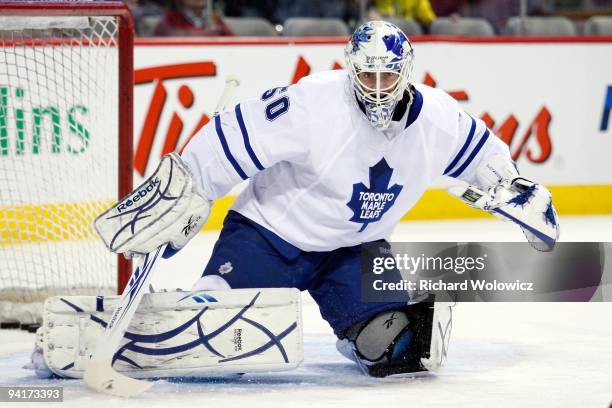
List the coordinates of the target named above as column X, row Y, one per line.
column 405, row 263
column 485, row 272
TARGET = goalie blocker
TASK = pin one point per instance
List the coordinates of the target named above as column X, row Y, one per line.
column 165, row 209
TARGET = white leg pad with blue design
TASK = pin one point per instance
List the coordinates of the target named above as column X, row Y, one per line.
column 177, row 334
column 401, row 342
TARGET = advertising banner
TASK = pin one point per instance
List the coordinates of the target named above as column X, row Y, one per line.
column 549, row 101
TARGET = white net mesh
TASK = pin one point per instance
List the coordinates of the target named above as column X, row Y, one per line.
column 58, row 158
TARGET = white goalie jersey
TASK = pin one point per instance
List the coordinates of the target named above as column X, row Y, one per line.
column 321, row 177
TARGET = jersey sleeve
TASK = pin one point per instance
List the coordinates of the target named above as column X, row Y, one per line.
column 475, row 144
column 238, row 143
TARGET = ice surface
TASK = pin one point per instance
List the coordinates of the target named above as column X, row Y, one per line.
column 501, row 354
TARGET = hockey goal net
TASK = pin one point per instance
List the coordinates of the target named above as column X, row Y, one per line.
column 66, row 79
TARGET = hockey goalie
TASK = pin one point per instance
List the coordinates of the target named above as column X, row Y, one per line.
column 319, row 155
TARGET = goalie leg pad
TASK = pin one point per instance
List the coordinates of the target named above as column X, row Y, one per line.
column 400, row 342
column 179, row 334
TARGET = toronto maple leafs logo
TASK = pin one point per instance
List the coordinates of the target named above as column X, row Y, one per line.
column 363, row 34
column 396, row 44
column 226, row 268
column 370, row 204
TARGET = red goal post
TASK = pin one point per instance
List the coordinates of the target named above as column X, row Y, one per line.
column 38, row 127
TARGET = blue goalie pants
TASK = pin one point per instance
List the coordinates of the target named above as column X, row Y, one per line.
column 249, row 256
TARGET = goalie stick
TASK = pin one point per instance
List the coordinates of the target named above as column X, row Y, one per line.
column 99, row 373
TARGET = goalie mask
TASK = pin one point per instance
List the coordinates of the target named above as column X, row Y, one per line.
column 379, row 58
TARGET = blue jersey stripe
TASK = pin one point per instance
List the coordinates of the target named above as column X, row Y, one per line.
column 226, row 149
column 463, row 148
column 245, row 136
column 466, row 163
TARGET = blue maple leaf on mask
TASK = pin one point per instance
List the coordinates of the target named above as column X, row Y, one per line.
column 394, row 43
column 361, row 36
column 370, row 204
